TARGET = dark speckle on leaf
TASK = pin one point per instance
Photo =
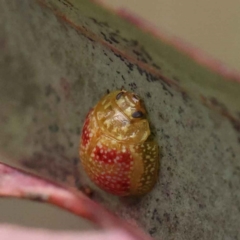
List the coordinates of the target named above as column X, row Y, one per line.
column 48, row 90
column 156, row 66
column 114, row 39
column 53, row 128
column 78, row 131
column 148, row 94
column 133, row 86
column 167, row 90
column 180, row 110
column 152, row 230
column 166, row 216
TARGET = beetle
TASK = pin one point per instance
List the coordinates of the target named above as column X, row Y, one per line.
column 115, row 149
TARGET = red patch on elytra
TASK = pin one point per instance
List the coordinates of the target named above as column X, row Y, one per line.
column 113, row 185
column 111, row 156
column 116, row 180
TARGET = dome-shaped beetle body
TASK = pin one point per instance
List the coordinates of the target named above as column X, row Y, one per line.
column 114, row 148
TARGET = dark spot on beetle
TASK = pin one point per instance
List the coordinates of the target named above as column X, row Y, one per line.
column 53, row 128
column 117, row 72
column 136, row 97
column 122, row 88
column 110, row 59
column 124, row 122
column 119, row 95
column 137, row 114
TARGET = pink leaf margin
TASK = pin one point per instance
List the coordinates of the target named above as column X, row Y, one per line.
column 9, row 232
column 19, row 184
